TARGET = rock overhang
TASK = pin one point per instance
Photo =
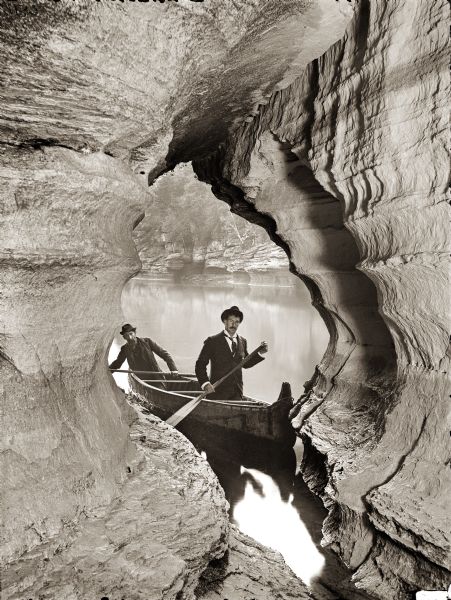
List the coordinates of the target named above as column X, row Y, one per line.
column 120, row 78
column 75, row 80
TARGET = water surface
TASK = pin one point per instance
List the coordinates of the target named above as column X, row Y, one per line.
column 270, row 502
column 267, row 500
column 180, row 317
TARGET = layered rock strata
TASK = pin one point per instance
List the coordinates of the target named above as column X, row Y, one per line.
column 350, row 169
column 65, row 425
column 93, row 95
column 345, row 167
column 146, row 545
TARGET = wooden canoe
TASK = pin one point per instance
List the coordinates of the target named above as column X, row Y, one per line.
column 248, row 416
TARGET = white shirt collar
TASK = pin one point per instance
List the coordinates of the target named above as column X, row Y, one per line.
column 229, row 336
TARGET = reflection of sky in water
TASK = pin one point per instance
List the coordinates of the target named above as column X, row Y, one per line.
column 264, row 516
column 180, row 317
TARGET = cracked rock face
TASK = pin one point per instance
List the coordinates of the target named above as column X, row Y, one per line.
column 352, row 167
column 341, row 159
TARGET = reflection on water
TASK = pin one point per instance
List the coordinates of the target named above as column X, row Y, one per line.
column 267, row 500
column 273, row 521
column 180, row 317
column 270, row 502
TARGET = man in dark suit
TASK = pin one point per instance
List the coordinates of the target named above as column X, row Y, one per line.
column 139, row 353
column 225, row 351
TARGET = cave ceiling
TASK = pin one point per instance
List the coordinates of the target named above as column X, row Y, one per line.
column 345, row 157
column 132, row 79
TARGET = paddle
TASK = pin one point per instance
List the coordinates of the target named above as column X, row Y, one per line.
column 191, row 405
column 151, row 372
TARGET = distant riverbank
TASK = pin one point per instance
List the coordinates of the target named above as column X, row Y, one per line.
column 217, row 277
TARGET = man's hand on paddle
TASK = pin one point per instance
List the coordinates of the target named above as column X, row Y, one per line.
column 208, row 388
column 264, row 348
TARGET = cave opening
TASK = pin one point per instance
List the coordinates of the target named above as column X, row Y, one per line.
column 98, row 101
column 199, row 257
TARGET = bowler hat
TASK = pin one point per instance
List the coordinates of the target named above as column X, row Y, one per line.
column 127, row 328
column 233, row 310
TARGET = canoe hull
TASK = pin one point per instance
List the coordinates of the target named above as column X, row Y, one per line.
column 249, row 417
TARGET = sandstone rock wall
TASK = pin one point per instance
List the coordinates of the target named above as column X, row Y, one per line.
column 344, row 166
column 97, row 99
column 139, row 546
column 64, row 423
column 350, row 164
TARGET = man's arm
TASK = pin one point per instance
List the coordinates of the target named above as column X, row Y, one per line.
column 201, row 363
column 116, row 364
column 162, row 353
column 257, row 358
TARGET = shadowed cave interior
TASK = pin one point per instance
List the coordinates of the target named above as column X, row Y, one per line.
column 323, row 123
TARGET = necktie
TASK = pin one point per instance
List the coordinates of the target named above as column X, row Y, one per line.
column 233, row 345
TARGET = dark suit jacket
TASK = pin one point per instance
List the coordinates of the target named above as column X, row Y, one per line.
column 140, row 356
column 216, row 351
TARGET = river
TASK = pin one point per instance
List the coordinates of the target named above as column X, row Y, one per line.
column 180, row 317
column 268, row 499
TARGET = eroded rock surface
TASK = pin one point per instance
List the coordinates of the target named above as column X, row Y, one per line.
column 93, row 95
column 352, row 170
column 344, row 164
column 65, row 425
column 152, row 542
column 130, row 78
column 167, row 527
column 249, row 571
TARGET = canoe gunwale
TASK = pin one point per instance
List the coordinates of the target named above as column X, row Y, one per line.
column 249, row 417
column 248, row 403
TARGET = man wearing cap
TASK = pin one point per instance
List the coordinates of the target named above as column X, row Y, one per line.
column 225, row 351
column 139, row 353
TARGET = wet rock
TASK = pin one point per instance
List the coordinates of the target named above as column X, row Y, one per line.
column 349, row 164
